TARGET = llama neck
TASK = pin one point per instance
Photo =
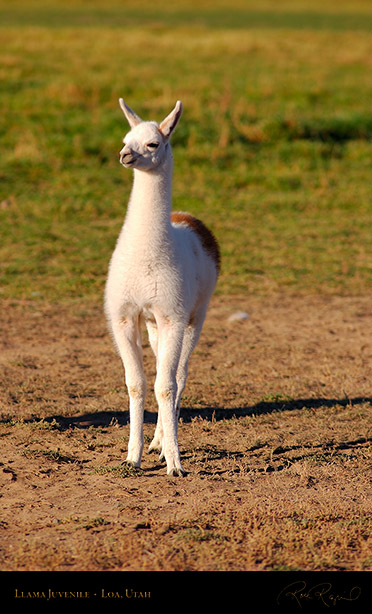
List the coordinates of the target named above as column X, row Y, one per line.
column 147, row 223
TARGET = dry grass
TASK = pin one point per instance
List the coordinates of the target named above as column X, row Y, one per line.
column 276, row 435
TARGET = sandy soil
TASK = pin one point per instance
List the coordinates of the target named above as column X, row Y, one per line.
column 275, row 434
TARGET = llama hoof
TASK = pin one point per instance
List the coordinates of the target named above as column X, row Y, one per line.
column 154, row 447
column 177, row 472
column 131, row 463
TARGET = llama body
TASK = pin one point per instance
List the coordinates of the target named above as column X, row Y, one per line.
column 163, row 272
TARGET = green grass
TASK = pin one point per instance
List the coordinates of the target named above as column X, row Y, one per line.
column 273, row 150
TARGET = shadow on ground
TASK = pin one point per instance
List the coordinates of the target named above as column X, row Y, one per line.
column 108, row 418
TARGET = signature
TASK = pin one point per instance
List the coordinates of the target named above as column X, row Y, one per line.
column 300, row 592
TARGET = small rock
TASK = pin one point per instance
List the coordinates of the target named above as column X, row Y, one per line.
column 238, row 316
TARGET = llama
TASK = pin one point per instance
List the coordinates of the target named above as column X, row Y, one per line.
column 162, row 273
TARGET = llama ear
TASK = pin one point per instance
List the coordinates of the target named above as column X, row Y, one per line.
column 132, row 117
column 170, row 122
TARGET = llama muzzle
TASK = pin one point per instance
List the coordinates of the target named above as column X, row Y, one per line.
column 126, row 157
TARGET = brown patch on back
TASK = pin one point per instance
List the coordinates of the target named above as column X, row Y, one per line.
column 208, row 240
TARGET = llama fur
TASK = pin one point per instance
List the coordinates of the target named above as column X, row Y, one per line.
column 162, row 274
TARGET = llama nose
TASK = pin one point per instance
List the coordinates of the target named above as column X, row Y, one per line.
column 126, row 155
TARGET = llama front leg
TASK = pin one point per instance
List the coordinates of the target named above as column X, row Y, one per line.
column 169, row 351
column 128, row 340
column 190, row 339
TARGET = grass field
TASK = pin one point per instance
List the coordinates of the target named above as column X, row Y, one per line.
column 274, row 153
column 273, row 149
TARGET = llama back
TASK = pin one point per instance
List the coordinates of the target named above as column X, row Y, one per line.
column 206, row 237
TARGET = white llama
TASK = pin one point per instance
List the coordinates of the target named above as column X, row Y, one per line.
column 162, row 272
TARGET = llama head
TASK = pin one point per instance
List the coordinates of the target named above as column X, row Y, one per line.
column 146, row 146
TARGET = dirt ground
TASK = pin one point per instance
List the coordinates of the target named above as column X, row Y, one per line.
column 275, row 435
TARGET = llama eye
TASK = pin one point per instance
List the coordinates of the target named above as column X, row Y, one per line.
column 152, row 145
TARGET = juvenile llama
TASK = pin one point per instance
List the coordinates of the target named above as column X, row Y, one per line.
column 163, row 272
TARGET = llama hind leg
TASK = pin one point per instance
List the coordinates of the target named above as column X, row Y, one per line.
column 157, row 441
column 128, row 340
column 156, row 444
column 190, row 340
